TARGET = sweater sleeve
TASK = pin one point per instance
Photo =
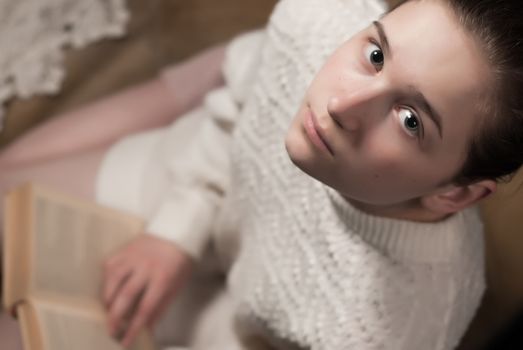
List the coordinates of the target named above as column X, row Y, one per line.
column 199, row 177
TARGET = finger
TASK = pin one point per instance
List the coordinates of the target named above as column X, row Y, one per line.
column 166, row 298
column 113, row 280
column 147, row 306
column 114, row 259
column 158, row 311
column 125, row 299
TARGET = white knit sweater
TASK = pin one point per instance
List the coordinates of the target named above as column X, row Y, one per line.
column 306, row 268
column 312, row 270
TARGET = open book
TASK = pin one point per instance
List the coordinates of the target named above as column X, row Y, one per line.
column 54, row 248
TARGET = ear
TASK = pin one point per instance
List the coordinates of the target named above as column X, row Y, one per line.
column 456, row 198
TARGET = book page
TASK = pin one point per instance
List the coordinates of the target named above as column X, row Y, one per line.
column 16, row 254
column 31, row 334
column 71, row 240
column 78, row 327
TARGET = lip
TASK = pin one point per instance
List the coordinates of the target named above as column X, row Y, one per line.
column 310, row 124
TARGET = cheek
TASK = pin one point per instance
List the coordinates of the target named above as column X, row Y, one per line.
column 393, row 162
column 384, row 152
column 338, row 67
column 324, row 82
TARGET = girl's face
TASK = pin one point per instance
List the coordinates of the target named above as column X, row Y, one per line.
column 390, row 115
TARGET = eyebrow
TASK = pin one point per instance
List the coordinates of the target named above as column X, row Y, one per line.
column 383, row 37
column 418, row 96
column 427, row 108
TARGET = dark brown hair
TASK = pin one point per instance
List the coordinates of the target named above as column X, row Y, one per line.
column 496, row 150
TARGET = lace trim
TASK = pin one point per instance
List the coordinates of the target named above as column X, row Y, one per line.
column 34, row 34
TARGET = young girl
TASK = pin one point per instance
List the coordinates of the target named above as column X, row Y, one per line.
column 334, row 179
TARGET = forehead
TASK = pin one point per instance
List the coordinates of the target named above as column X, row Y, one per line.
column 433, row 52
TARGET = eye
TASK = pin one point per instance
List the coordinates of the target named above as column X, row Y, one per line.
column 374, row 55
column 410, row 122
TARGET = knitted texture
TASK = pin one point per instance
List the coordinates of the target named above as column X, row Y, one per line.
column 313, row 271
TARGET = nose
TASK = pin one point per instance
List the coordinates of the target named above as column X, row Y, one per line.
column 352, row 110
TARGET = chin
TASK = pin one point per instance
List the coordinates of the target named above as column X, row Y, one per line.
column 302, row 154
column 297, row 148
column 302, row 159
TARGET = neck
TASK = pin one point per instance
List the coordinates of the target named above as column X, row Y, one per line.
column 411, row 210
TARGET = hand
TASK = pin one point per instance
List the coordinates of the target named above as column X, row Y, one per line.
column 140, row 281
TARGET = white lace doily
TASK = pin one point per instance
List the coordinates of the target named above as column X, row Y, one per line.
column 34, row 33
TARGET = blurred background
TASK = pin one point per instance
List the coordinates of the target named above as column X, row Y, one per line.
column 162, row 32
